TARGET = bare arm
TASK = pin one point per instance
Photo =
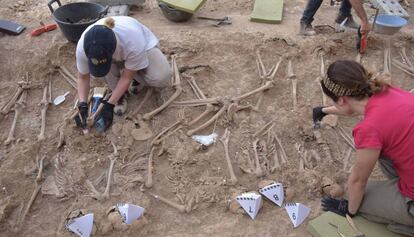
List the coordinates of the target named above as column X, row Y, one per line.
column 335, row 110
column 122, row 86
column 365, row 163
column 359, row 9
column 83, row 87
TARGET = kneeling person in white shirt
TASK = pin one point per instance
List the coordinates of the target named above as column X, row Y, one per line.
column 119, row 50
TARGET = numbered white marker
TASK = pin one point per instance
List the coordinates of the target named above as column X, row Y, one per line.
column 81, row 226
column 297, row 213
column 274, row 192
column 129, row 212
column 251, row 203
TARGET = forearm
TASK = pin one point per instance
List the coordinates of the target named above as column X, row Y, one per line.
column 120, row 89
column 355, row 195
column 83, row 87
column 357, row 5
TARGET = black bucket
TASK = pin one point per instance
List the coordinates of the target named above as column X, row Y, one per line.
column 74, row 18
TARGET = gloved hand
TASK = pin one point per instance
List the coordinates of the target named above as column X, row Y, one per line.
column 318, row 114
column 105, row 118
column 80, row 120
column 338, row 206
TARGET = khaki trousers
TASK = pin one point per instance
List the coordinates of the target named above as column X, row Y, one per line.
column 157, row 74
column 383, row 202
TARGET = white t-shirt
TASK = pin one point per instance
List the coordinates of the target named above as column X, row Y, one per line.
column 133, row 41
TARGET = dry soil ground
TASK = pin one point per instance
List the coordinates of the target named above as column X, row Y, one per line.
column 183, row 172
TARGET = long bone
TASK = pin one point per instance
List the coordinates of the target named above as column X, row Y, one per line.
column 292, row 77
column 282, row 149
column 37, row 187
column 44, row 104
column 199, row 93
column 210, row 121
column 225, row 141
column 159, row 138
column 264, row 75
column 18, row 107
column 148, row 182
column 96, row 194
column 179, row 207
column 345, row 136
column 176, row 83
column 266, row 86
column 143, row 101
column 21, row 86
column 258, row 171
column 69, row 78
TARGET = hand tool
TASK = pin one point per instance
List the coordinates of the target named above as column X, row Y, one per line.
column 59, row 100
column 219, row 21
column 352, row 224
column 337, row 229
column 44, row 28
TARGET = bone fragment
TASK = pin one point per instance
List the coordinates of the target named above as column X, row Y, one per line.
column 358, row 58
column 158, row 139
column 104, row 196
column 36, row 190
column 44, row 104
column 18, row 107
column 144, row 100
column 315, row 155
column 200, row 94
column 258, row 171
column 180, row 208
column 225, row 141
column 176, row 83
column 292, row 77
column 347, row 158
column 266, row 86
column 113, row 157
column 347, row 139
column 322, row 143
column 50, row 91
column 282, row 150
column 10, row 104
column 276, row 163
column 210, row 121
column 148, row 183
column 263, row 129
column 68, row 79
column 198, row 102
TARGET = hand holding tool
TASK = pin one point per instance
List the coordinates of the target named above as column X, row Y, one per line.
column 361, row 42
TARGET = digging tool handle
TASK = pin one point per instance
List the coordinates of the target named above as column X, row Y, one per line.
column 352, row 224
column 50, row 5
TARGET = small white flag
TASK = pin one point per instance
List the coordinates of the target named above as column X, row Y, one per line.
column 274, row 192
column 250, row 202
column 297, row 213
column 129, row 212
column 81, row 226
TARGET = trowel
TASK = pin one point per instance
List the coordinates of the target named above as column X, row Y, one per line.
column 60, row 99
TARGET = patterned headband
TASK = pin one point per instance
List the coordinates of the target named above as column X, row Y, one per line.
column 339, row 90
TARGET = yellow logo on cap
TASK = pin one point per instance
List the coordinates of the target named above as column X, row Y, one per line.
column 97, row 62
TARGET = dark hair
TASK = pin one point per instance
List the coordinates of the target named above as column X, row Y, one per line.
column 353, row 76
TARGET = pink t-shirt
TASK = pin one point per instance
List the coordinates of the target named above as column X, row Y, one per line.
column 388, row 124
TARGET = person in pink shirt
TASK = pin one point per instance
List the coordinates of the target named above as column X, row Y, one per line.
column 385, row 134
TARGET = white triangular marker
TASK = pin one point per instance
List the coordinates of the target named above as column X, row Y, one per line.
column 297, row 213
column 82, row 226
column 274, row 192
column 251, row 203
column 129, row 212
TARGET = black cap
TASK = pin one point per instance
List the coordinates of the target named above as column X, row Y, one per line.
column 99, row 44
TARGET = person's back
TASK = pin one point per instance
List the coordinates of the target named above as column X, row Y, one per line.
column 388, row 124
